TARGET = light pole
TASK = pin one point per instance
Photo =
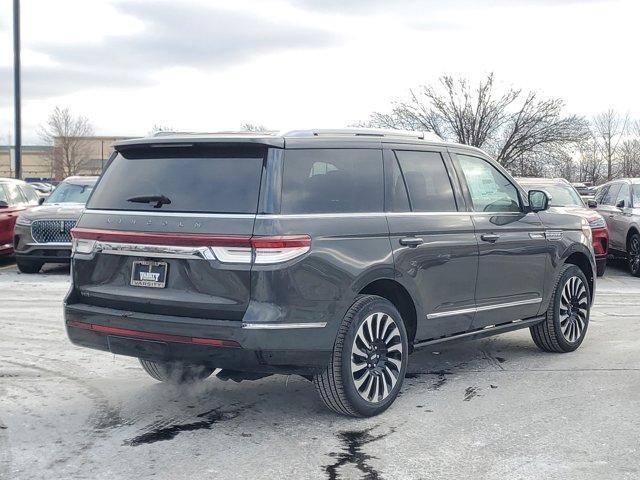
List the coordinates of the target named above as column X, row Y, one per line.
column 16, row 88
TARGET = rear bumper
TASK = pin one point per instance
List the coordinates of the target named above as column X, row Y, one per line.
column 167, row 338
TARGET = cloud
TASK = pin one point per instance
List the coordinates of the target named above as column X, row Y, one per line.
column 183, row 34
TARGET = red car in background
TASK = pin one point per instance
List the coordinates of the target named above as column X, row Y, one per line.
column 15, row 196
column 563, row 196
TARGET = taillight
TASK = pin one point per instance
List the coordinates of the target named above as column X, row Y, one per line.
column 279, row 249
column 261, row 250
column 265, row 250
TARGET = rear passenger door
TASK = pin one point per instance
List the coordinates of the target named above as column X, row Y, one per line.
column 512, row 245
column 432, row 238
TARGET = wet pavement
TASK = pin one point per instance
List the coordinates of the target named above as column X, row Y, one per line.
column 495, row 408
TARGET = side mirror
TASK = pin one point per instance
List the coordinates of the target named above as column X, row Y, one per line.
column 592, row 204
column 620, row 204
column 538, row 200
column 4, row 204
column 41, row 200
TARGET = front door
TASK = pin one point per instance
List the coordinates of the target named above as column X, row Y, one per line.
column 607, row 208
column 512, row 245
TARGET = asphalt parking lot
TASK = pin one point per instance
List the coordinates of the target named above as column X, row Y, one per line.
column 496, row 408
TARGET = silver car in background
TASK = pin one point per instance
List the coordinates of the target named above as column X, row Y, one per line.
column 619, row 203
column 43, row 234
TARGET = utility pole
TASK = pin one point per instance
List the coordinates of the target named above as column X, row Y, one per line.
column 16, row 88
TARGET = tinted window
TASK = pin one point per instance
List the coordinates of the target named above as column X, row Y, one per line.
column 194, row 179
column 68, row 192
column 332, row 181
column 427, row 181
column 624, row 194
column 489, row 189
column 14, row 195
column 609, row 198
column 398, row 199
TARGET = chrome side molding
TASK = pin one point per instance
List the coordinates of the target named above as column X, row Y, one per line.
column 483, row 308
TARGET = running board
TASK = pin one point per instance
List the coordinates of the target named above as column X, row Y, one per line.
column 483, row 332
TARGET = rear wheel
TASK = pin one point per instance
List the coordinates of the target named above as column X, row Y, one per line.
column 633, row 254
column 567, row 318
column 369, row 360
column 29, row 266
column 175, row 372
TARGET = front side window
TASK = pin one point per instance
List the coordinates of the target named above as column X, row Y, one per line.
column 332, row 181
column 624, row 195
column 489, row 189
column 30, row 193
column 68, row 192
column 14, row 195
column 609, row 198
column 427, row 181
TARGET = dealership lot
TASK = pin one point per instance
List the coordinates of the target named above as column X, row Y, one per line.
column 495, row 408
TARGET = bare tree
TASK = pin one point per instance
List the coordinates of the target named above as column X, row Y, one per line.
column 590, row 163
column 158, row 127
column 68, row 135
column 254, row 127
column 608, row 130
column 515, row 126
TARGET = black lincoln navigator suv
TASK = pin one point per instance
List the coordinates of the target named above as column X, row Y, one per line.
column 331, row 254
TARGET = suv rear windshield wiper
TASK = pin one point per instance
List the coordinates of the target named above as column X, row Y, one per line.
column 159, row 200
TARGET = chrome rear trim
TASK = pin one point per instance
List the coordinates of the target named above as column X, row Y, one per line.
column 155, row 251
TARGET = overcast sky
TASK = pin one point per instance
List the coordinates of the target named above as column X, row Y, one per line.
column 211, row 65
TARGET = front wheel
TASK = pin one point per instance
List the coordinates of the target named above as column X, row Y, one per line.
column 29, row 266
column 633, row 254
column 567, row 318
column 369, row 360
column 175, row 372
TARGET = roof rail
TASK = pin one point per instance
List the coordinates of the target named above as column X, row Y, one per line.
column 363, row 132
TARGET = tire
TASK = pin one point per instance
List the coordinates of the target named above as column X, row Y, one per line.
column 601, row 267
column 27, row 266
column 633, row 254
column 174, row 372
column 361, row 381
column 564, row 332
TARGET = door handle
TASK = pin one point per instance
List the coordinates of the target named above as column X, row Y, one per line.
column 411, row 241
column 489, row 237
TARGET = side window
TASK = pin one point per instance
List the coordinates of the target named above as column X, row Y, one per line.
column 602, row 191
column 398, row 199
column 427, row 181
column 3, row 194
column 30, row 194
column 609, row 198
column 332, row 181
column 490, row 190
column 14, row 195
column 624, row 194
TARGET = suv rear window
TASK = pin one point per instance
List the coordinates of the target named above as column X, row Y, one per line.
column 332, row 181
column 195, row 179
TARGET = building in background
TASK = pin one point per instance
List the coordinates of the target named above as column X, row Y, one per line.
column 36, row 161
column 46, row 162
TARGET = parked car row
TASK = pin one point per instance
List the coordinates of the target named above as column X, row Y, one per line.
column 37, row 230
